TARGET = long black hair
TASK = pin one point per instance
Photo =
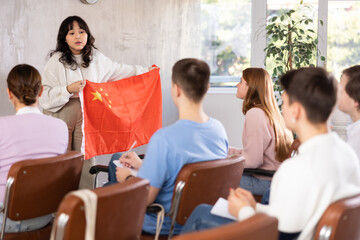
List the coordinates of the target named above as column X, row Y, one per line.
column 67, row 57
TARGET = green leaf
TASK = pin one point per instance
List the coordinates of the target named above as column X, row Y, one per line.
column 306, row 22
column 302, row 31
column 302, row 1
column 282, row 17
column 321, row 22
column 316, row 41
column 273, row 19
column 322, row 58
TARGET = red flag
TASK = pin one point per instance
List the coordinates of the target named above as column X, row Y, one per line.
column 118, row 113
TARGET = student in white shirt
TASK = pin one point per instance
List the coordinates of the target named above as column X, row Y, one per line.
column 325, row 170
column 75, row 60
column 349, row 103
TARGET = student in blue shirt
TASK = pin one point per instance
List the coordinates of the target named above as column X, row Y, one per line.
column 193, row 138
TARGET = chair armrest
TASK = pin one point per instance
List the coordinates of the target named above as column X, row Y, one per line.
column 257, row 171
column 103, row 168
column 98, row 168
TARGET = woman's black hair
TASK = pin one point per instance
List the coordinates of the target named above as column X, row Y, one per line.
column 67, row 57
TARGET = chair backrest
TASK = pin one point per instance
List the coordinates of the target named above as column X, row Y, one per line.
column 258, row 227
column 341, row 220
column 120, row 212
column 294, row 148
column 39, row 185
column 205, row 182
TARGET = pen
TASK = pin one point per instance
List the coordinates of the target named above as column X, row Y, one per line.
column 125, row 154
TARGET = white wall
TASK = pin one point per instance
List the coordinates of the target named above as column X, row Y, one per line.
column 225, row 107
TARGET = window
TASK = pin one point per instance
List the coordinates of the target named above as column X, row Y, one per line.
column 278, row 7
column 233, row 34
column 343, row 43
column 225, row 43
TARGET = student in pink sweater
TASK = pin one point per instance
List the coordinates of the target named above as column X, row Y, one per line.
column 27, row 135
column 266, row 140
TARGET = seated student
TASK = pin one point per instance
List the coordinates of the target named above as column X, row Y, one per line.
column 193, row 138
column 265, row 138
column 349, row 103
column 326, row 168
column 27, row 135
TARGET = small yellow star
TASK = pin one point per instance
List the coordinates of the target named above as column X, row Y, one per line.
column 97, row 95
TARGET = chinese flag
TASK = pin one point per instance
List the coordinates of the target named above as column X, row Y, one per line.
column 120, row 112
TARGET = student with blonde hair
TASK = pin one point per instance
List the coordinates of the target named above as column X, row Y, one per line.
column 266, row 140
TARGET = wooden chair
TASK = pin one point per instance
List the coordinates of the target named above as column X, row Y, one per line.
column 36, row 187
column 341, row 220
column 258, row 227
column 120, row 212
column 202, row 182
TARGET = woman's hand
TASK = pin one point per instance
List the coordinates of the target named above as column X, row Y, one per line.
column 235, row 151
column 238, row 199
column 152, row 68
column 122, row 173
column 131, row 159
column 76, row 86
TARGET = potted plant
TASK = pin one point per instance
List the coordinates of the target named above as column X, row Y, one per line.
column 292, row 42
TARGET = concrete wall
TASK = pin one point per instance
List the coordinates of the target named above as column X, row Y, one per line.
column 133, row 32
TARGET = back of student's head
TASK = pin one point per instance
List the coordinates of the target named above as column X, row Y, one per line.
column 260, row 90
column 24, row 81
column 260, row 94
column 314, row 89
column 192, row 76
column 352, row 87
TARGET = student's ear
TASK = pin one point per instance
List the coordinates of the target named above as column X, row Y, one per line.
column 41, row 91
column 178, row 90
column 10, row 95
column 296, row 111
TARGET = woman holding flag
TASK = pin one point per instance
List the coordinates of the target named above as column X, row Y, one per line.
column 74, row 61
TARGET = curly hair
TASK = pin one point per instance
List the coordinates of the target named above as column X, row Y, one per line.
column 67, row 57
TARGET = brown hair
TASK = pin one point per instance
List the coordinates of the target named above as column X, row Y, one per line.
column 24, row 81
column 313, row 88
column 260, row 94
column 352, row 87
column 193, row 76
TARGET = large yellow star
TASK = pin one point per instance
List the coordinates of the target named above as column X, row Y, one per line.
column 97, row 95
